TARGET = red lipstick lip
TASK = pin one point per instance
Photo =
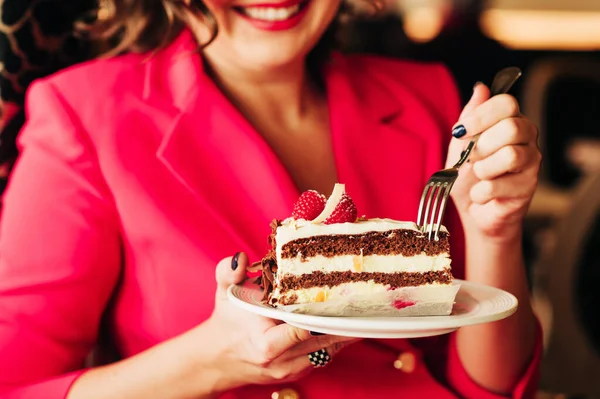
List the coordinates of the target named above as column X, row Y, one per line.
column 283, row 4
column 278, row 25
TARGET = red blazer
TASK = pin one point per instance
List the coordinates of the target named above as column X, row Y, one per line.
column 137, row 176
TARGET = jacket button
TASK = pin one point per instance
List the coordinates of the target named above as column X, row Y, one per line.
column 286, row 393
column 406, row 362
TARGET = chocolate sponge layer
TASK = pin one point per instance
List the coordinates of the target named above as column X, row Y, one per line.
column 391, row 242
column 394, row 280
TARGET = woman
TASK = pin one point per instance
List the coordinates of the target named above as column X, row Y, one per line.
column 157, row 164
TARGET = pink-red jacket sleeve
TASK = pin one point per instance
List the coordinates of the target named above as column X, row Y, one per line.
column 455, row 374
column 59, row 253
column 458, row 378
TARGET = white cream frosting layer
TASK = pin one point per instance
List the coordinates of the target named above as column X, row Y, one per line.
column 366, row 264
column 427, row 292
column 307, row 295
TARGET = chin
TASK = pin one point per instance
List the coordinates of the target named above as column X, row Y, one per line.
column 268, row 34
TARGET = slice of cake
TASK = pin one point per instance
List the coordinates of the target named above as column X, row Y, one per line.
column 326, row 261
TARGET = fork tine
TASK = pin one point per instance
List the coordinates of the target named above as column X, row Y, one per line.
column 421, row 203
column 442, row 209
column 432, row 192
column 436, row 203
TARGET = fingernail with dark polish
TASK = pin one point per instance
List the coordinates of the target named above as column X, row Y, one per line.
column 459, row 131
column 234, row 261
column 316, row 333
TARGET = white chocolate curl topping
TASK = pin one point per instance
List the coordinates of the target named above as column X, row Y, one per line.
column 332, row 202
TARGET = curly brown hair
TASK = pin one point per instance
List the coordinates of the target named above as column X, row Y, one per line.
column 142, row 26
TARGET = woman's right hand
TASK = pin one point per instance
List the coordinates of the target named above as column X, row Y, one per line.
column 250, row 349
column 231, row 349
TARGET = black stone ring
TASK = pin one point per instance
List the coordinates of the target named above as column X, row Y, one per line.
column 319, row 358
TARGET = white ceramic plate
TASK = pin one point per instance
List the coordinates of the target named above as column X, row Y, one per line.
column 475, row 304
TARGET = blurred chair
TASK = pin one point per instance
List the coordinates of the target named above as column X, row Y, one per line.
column 565, row 293
column 562, row 96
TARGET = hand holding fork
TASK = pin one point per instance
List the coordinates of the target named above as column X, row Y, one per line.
column 437, row 190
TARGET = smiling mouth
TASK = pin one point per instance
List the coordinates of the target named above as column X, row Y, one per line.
column 271, row 14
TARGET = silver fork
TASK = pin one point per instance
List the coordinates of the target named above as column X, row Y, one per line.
column 436, row 191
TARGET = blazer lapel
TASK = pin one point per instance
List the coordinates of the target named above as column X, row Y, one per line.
column 214, row 152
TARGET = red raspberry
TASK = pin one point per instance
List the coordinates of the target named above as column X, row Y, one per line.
column 309, row 205
column 344, row 212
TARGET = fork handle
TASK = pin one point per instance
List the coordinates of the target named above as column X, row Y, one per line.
column 501, row 84
column 465, row 155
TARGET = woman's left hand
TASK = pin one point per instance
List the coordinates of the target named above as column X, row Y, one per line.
column 493, row 191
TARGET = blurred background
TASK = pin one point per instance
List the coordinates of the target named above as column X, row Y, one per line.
column 557, row 45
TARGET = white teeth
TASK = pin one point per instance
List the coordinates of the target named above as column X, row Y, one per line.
column 271, row 13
